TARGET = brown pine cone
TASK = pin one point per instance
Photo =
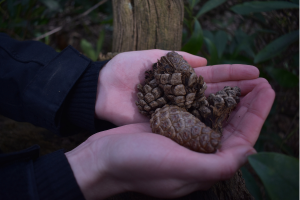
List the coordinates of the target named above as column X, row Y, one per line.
column 150, row 96
column 178, row 80
column 185, row 129
column 191, row 120
column 214, row 110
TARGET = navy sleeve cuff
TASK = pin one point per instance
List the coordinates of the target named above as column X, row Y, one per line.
column 55, row 178
column 25, row 176
column 80, row 103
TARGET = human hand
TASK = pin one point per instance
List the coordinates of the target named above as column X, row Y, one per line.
column 117, row 82
column 131, row 158
column 116, row 94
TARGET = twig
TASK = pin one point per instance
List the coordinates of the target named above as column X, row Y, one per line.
column 92, row 8
column 75, row 18
column 49, row 33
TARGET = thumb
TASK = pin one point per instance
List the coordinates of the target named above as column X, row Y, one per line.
column 228, row 161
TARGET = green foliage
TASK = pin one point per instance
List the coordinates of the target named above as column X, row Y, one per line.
column 261, row 6
column 284, row 77
column 88, row 48
column 251, row 184
column 53, row 6
column 194, row 44
column 277, row 46
column 192, row 3
column 26, row 19
column 209, row 5
column 213, row 52
column 221, row 41
column 279, row 174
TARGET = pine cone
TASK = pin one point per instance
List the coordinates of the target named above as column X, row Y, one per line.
column 185, row 129
column 216, row 109
column 174, row 97
column 150, row 96
column 178, row 80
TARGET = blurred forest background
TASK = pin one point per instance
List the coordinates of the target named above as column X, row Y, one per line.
column 264, row 34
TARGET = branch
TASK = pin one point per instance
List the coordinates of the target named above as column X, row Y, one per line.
column 75, row 18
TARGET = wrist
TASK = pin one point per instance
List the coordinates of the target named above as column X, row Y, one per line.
column 103, row 97
column 90, row 172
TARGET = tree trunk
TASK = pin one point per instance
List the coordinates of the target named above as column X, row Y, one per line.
column 147, row 24
column 157, row 24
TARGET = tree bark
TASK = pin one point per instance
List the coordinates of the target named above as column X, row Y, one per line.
column 157, row 24
column 147, row 24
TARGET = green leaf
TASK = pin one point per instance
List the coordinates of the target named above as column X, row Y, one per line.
column 193, row 3
column 209, row 5
column 220, row 42
column 251, row 184
column 100, row 42
column 283, row 77
column 244, row 43
column 279, row 174
column 261, row 6
column 213, row 59
column 209, row 35
column 260, row 17
column 52, row 5
column 276, row 46
column 194, row 44
column 88, row 49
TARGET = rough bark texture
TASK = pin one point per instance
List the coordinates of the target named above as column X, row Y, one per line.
column 147, row 24
column 150, row 24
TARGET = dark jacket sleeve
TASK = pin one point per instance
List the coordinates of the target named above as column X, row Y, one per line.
column 53, row 90
column 25, row 176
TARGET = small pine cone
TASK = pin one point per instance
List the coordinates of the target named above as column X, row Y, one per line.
column 178, row 80
column 214, row 110
column 185, row 129
column 150, row 98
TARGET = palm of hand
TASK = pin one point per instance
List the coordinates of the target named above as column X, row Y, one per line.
column 155, row 165
column 118, row 80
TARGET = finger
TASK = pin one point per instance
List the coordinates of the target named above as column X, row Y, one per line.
column 246, row 86
column 155, row 54
column 229, row 161
column 215, row 167
column 247, row 122
column 220, row 73
column 194, row 61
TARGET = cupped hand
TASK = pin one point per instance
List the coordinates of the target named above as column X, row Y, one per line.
column 131, row 158
column 116, row 94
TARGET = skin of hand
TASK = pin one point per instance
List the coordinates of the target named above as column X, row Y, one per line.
column 116, row 92
column 131, row 158
column 117, row 82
